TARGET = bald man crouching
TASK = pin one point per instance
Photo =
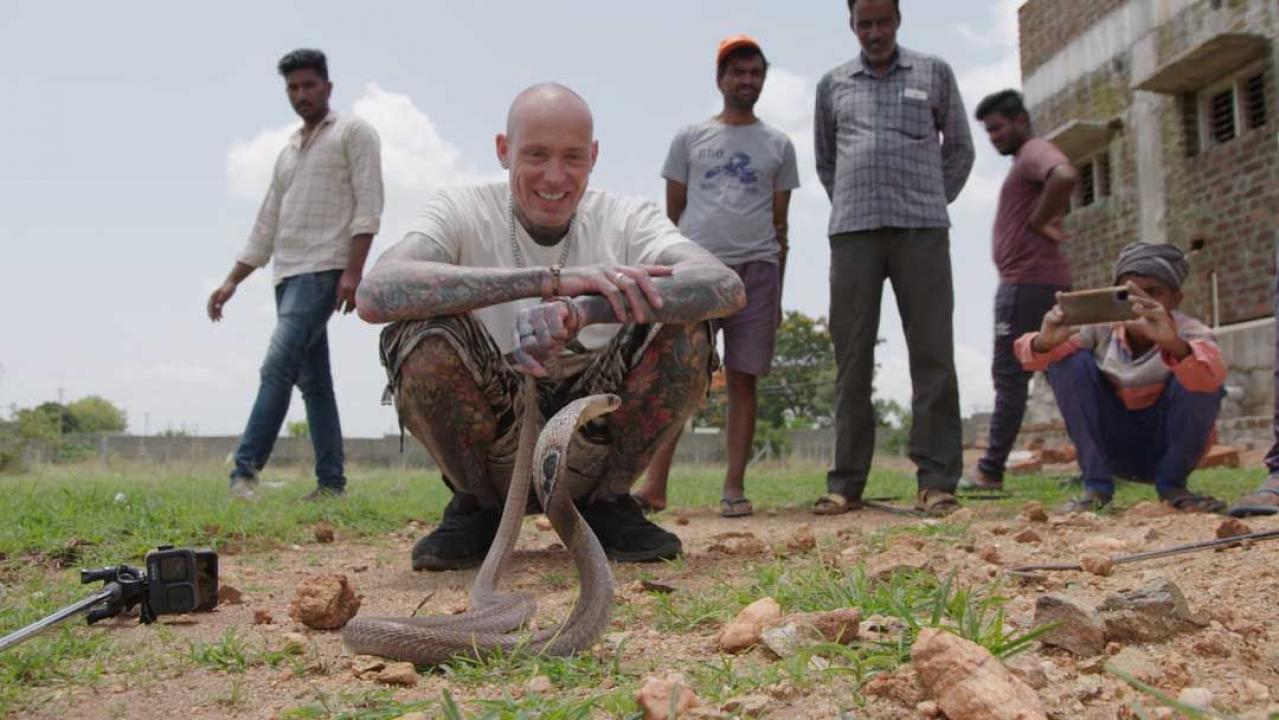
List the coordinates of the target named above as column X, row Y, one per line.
column 588, row 291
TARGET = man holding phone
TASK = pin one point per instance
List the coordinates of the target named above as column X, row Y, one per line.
column 1032, row 270
column 1140, row 398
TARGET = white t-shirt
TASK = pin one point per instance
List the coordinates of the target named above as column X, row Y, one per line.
column 470, row 224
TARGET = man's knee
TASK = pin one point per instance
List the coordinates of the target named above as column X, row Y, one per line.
column 434, row 361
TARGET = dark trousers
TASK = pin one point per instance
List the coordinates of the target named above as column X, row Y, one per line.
column 917, row 262
column 1019, row 309
column 1164, row 441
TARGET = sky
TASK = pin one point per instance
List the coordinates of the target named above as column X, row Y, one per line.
column 142, row 135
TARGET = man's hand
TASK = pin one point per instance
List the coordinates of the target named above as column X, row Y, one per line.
column 219, row 298
column 1154, row 323
column 347, row 285
column 629, row 289
column 1053, row 331
column 1052, row 231
column 542, row 331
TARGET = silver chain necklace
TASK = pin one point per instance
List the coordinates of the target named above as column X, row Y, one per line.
column 515, row 247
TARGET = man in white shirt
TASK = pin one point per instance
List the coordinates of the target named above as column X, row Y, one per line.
column 587, row 291
column 318, row 220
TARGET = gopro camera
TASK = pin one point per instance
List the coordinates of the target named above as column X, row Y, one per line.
column 182, row 580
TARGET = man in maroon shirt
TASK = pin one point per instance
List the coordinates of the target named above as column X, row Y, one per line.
column 1027, row 238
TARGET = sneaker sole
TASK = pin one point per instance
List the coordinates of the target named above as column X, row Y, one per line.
column 435, row 564
column 665, row 552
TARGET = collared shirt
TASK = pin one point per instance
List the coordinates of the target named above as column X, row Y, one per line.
column 877, row 146
column 322, row 194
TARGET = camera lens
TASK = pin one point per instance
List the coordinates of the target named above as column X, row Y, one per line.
column 1122, row 294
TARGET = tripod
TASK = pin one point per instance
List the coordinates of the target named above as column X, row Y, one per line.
column 124, row 587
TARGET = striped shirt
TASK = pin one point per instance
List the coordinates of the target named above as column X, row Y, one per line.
column 877, row 146
column 322, row 194
column 1139, row 381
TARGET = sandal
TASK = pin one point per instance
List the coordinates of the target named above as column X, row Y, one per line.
column 935, row 502
column 1185, row 501
column 1088, row 502
column 735, row 507
column 1263, row 501
column 834, row 504
column 979, row 483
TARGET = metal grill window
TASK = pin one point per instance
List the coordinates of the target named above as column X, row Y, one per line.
column 1221, row 116
column 1254, row 100
column 1190, row 123
column 1101, row 175
column 1087, row 185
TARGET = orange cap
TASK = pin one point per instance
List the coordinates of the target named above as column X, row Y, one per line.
column 731, row 43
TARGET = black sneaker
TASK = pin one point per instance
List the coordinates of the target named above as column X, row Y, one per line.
column 628, row 536
column 462, row 538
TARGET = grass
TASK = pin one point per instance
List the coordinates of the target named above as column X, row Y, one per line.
column 65, row 517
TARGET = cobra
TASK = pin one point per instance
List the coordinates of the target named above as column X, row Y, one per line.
column 493, row 620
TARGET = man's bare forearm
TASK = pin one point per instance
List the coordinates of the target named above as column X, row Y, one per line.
column 359, row 254
column 696, row 291
column 431, row 289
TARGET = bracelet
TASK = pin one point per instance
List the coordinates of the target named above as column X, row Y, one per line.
column 555, row 281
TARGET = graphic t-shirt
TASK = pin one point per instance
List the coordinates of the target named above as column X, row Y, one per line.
column 732, row 172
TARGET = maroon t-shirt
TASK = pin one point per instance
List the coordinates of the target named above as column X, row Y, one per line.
column 1022, row 255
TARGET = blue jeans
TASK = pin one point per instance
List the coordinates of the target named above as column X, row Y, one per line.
column 1164, row 441
column 298, row 355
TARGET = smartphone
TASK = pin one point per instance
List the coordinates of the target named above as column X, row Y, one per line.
column 1102, row 305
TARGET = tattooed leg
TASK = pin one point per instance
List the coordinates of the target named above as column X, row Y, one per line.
column 660, row 393
column 441, row 405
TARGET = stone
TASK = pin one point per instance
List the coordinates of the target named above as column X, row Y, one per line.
column 802, row 539
column 838, row 626
column 538, row 685
column 229, row 595
column 660, row 695
column 1029, row 669
column 746, row 705
column 1196, row 697
column 1219, row 456
column 990, row 553
column 968, row 682
column 762, row 611
column 895, row 560
column 1028, row 536
column 1080, row 629
column 398, row 673
column 738, row 543
column 1233, row 527
column 735, row 637
column 1152, row 613
column 323, row 532
column 262, row 617
column 1034, row 512
column 1096, row 564
column 901, row 686
column 324, row 602
column 1135, row 663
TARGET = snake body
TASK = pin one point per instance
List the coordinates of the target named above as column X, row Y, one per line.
column 493, row 620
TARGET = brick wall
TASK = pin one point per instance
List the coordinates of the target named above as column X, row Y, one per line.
column 1048, row 25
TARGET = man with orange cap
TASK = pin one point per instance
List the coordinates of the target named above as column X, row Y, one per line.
column 728, row 184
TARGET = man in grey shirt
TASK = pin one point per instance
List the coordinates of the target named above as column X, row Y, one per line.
column 890, row 177
column 728, row 185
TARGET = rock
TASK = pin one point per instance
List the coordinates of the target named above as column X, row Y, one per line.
column 1028, row 536
column 1220, row 456
column 1025, row 467
column 1196, row 697
column 990, row 553
column 1058, row 454
column 1080, row 631
column 229, row 595
column 323, row 532
column 659, row 695
column 735, row 637
column 838, row 626
column 928, row 709
column 399, row 673
column 1150, row 614
column 1096, row 564
column 968, row 682
column 1029, row 670
column 802, row 540
column 901, row 686
column 1233, row 527
column 324, row 602
column 738, row 543
column 1034, row 512
column 262, row 617
column 543, row 524
column 746, row 705
column 762, row 611
column 895, row 560
column 789, row 637
column 1147, row 509
column 1135, row 663
column 538, row 685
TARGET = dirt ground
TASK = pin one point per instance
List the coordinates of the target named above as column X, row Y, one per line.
column 1231, row 651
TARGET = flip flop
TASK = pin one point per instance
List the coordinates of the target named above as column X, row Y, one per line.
column 735, row 507
column 1186, row 501
column 834, row 504
column 936, row 503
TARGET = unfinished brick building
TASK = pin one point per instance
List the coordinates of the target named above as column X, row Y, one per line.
column 1169, row 110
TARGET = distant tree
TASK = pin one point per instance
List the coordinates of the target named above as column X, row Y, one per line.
column 94, row 414
column 299, row 429
column 57, row 414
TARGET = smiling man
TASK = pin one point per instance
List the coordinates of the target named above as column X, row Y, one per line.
column 588, row 291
